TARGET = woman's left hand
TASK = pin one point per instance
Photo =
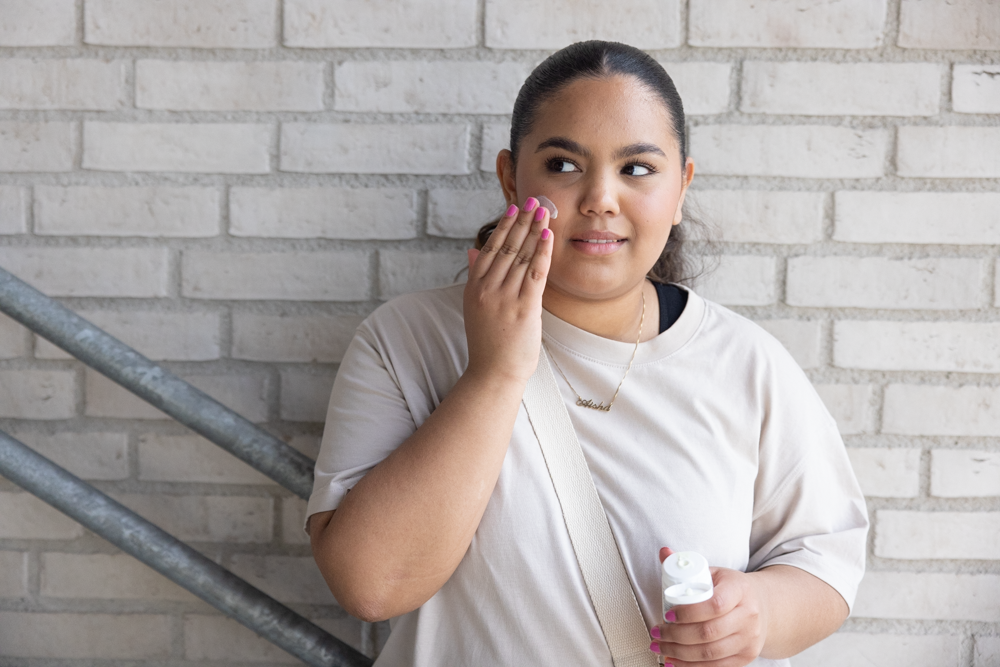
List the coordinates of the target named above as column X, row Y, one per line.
column 728, row 630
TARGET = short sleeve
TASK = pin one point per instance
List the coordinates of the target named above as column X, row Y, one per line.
column 809, row 511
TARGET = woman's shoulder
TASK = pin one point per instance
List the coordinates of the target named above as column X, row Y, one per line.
column 432, row 313
column 736, row 332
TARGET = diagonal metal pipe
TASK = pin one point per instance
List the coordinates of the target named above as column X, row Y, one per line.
column 172, row 558
column 155, row 385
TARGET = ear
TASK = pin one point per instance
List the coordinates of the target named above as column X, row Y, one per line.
column 687, row 178
column 505, row 174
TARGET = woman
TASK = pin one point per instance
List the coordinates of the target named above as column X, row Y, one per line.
column 716, row 441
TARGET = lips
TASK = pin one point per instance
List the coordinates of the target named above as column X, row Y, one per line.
column 598, row 242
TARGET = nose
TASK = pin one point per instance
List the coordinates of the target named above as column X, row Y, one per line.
column 600, row 199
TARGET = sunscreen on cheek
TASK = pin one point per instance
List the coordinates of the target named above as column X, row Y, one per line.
column 545, row 202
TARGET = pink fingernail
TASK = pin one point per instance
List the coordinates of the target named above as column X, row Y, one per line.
column 531, row 204
column 655, row 632
column 654, row 647
column 670, row 616
column 668, row 664
column 539, row 214
column 511, row 210
column 546, row 234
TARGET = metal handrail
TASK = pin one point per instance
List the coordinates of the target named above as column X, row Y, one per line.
column 155, row 385
column 173, row 559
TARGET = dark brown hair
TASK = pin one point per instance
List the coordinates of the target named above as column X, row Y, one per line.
column 597, row 59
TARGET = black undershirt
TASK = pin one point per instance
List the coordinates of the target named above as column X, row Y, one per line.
column 672, row 301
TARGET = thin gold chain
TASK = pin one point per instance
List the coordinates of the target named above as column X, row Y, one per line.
column 588, row 403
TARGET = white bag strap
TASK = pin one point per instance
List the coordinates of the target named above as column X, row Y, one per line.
column 593, row 542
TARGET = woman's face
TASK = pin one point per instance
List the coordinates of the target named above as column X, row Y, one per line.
column 604, row 152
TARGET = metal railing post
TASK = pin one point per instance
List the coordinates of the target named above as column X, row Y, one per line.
column 155, row 385
column 173, row 559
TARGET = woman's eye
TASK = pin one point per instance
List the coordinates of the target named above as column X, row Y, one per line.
column 637, row 170
column 563, row 166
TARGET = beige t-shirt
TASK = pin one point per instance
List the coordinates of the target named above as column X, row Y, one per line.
column 717, row 443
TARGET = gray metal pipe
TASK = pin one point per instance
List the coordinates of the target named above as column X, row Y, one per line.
column 173, row 559
column 191, row 407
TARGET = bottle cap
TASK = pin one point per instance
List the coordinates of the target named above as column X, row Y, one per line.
column 688, row 593
column 686, row 566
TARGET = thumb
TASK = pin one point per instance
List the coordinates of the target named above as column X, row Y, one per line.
column 473, row 254
column 665, row 553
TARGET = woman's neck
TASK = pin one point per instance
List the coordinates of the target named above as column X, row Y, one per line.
column 616, row 318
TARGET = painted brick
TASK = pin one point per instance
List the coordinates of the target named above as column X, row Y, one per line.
column 289, row 338
column 850, row 405
column 329, row 213
column 459, row 214
column 246, row 394
column 886, row 473
column 226, row 86
column 159, row 211
column 801, row 151
column 929, row 595
column 223, row 639
column 306, row 443
column 918, row 217
column 403, row 86
column 879, row 282
column 236, row 519
column 986, row 652
column 25, row 517
column 853, row 24
column 760, row 216
column 802, row 339
column 963, row 473
column 229, row 148
column 190, row 458
column 13, row 574
column 97, row 456
column 975, row 88
column 835, row 89
column 375, row 149
column 38, row 22
column 522, row 24
column 305, row 395
column 441, row 24
column 104, row 577
column 12, row 210
column 208, row 24
column 62, row 84
column 948, row 152
column 14, row 339
column 967, row 347
column 295, row 276
column 704, row 87
column 874, row 650
column 37, row 394
column 402, row 271
column 88, row 635
column 949, row 24
column 293, row 518
column 931, row 410
column 28, row 146
column 741, row 280
column 933, row 535
column 114, row 272
column 286, row 578
column 496, row 137
column 157, row 335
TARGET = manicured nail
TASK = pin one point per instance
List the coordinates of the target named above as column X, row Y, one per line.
column 546, row 234
column 668, row 664
column 670, row 616
column 654, row 647
column 655, row 632
column 539, row 214
column 531, row 204
column 511, row 210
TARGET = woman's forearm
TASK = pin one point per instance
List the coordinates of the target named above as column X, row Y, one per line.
column 403, row 529
column 801, row 610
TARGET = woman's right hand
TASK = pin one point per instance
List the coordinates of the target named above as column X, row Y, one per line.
column 503, row 297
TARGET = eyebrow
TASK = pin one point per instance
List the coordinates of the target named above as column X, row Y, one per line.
column 621, row 153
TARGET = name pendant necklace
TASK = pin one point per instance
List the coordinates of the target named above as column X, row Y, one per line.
column 589, row 403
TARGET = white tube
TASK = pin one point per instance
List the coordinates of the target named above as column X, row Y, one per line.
column 686, row 579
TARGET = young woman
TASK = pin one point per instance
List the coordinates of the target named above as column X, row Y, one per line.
column 715, row 441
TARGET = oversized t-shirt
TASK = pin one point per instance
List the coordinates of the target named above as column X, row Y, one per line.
column 717, row 443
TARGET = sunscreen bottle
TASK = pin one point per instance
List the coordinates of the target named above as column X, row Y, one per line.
column 686, row 580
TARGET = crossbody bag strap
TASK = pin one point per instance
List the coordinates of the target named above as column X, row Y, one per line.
column 593, row 542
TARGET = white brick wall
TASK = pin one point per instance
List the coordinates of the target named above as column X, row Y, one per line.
column 230, row 186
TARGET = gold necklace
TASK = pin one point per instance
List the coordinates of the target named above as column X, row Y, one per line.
column 588, row 403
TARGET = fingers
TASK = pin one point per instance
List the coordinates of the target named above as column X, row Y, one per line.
column 473, row 254
column 533, row 283
column 522, row 260
column 665, row 553
column 510, row 250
